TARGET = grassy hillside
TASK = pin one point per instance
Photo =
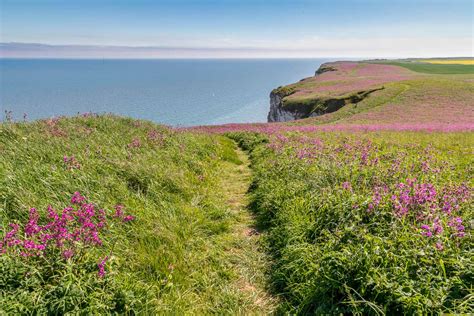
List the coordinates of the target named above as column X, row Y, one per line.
column 437, row 100
column 449, row 61
column 435, row 68
column 342, row 81
column 366, row 223
column 384, row 92
column 367, row 210
column 163, row 242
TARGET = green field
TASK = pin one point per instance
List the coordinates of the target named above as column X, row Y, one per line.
column 441, row 69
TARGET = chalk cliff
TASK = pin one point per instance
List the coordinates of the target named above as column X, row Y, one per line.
column 313, row 96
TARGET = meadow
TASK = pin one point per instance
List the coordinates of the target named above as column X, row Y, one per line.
column 434, row 66
column 102, row 214
column 366, row 210
column 421, row 95
column 366, row 222
column 457, row 61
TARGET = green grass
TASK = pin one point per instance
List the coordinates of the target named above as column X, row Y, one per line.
column 313, row 96
column 317, row 241
column 390, row 94
column 442, row 69
column 446, row 96
column 335, row 254
column 246, row 255
column 176, row 257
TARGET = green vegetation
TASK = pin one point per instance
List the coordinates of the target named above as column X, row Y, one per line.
column 367, row 223
column 317, row 104
column 442, row 69
column 180, row 254
column 110, row 215
column 377, row 92
column 284, row 91
column 426, row 100
column 390, row 94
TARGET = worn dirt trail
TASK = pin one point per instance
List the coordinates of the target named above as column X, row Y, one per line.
column 245, row 252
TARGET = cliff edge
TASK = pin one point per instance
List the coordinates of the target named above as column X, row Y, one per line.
column 333, row 86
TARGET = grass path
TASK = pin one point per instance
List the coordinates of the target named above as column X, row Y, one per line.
column 245, row 255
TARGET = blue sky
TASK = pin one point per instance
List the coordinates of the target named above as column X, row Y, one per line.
column 232, row 28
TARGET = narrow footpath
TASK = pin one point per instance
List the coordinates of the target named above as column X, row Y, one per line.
column 245, row 253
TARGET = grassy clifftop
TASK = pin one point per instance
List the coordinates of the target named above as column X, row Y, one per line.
column 347, row 88
column 435, row 66
column 365, row 210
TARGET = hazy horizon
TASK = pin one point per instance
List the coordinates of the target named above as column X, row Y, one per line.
column 47, row 51
column 235, row 29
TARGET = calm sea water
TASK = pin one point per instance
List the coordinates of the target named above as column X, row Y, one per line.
column 174, row 92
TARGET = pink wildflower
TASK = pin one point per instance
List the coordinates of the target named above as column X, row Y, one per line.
column 426, row 231
column 101, row 266
column 77, row 198
column 135, row 143
column 347, row 186
column 68, row 253
column 118, row 210
column 128, row 218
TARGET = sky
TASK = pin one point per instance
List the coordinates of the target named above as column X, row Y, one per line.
column 236, row 28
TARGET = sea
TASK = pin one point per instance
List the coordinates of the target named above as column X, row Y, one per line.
column 174, row 92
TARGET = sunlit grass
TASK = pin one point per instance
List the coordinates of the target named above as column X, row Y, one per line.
column 173, row 258
column 449, row 61
column 366, row 223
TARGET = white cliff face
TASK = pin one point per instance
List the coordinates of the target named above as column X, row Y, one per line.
column 277, row 112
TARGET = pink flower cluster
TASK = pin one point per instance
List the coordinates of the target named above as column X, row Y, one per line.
column 413, row 196
column 101, row 266
column 121, row 215
column 71, row 162
column 275, row 128
column 347, row 186
column 53, row 127
column 67, row 232
column 135, row 143
column 377, row 197
column 156, row 137
column 434, row 209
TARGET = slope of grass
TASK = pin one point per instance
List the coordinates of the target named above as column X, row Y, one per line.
column 390, row 93
column 367, row 223
column 383, row 92
column 434, row 68
column 171, row 257
column 457, row 61
column 433, row 99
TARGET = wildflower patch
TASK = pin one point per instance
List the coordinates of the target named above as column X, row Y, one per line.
column 64, row 235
